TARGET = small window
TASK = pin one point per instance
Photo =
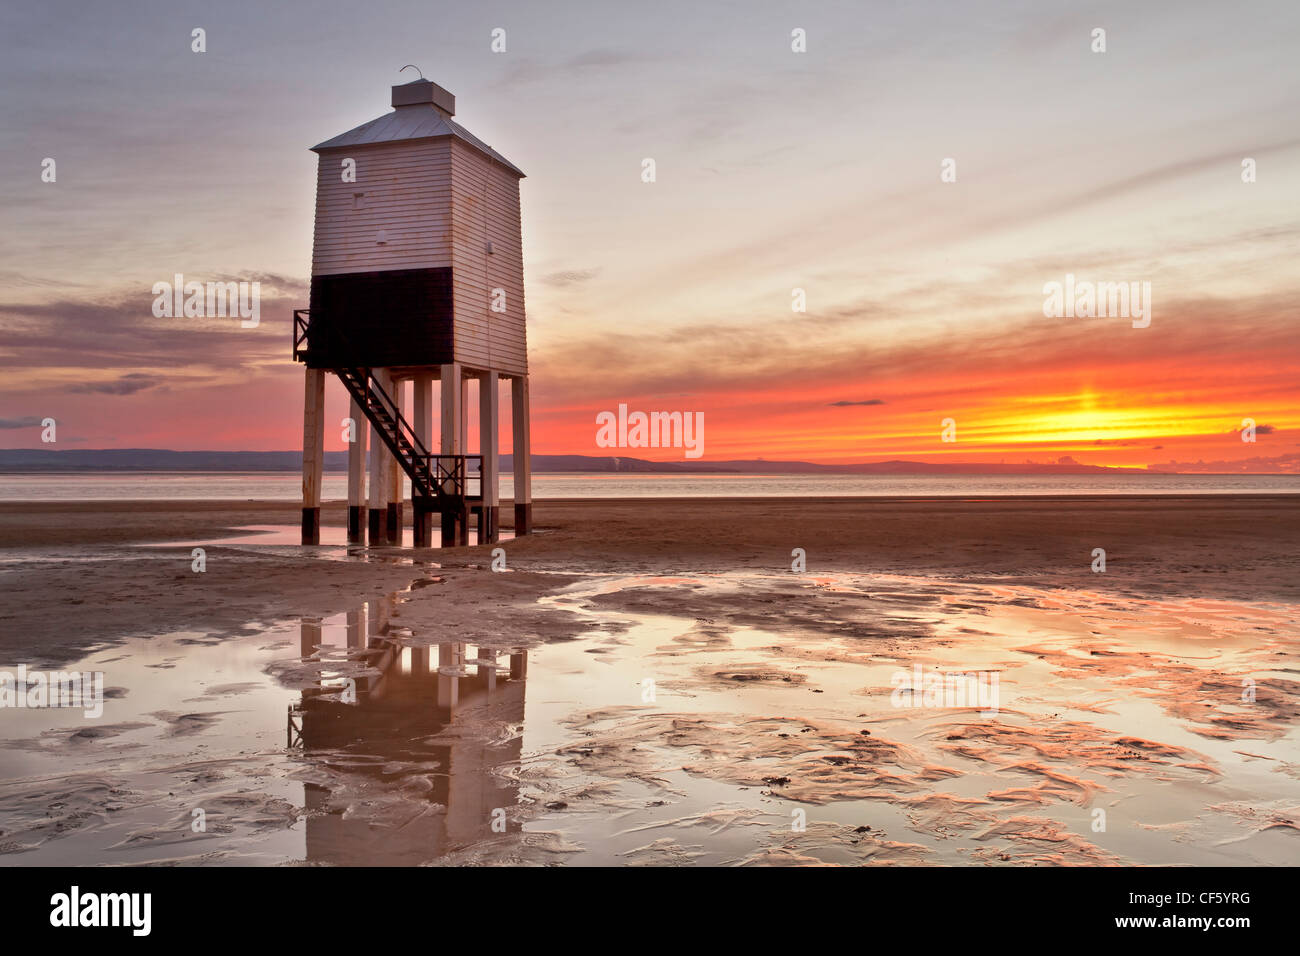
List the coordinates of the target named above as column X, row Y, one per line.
column 358, row 200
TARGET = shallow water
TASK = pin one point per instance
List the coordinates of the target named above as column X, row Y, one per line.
column 287, row 486
column 331, row 536
column 665, row 735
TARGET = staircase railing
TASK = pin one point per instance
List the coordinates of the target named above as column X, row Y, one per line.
column 452, row 471
column 300, row 324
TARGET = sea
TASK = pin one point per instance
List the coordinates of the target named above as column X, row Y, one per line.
column 287, row 486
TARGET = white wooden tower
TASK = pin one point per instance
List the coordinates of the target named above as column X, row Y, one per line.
column 417, row 276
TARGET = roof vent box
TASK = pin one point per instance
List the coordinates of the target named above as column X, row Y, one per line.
column 424, row 93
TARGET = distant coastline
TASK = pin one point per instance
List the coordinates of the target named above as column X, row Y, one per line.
column 42, row 460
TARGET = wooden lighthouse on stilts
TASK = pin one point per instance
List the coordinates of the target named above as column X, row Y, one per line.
column 417, row 278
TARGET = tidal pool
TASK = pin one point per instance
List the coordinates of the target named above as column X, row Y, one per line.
column 709, row 719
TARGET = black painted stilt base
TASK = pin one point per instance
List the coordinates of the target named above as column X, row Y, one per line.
column 489, row 524
column 311, row 526
column 421, row 525
column 523, row 518
column 356, row 535
column 394, row 522
column 455, row 526
column 377, row 529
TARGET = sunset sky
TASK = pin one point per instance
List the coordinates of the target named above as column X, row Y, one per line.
column 775, row 170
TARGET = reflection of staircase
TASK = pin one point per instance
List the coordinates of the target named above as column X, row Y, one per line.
column 439, row 478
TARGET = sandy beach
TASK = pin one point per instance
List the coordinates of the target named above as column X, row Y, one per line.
column 674, row 691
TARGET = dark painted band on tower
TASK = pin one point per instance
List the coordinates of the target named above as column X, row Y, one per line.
column 390, row 318
column 377, row 526
column 355, row 532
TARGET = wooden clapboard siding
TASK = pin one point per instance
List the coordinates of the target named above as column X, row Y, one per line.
column 508, row 331
column 440, row 202
column 485, row 208
column 407, row 190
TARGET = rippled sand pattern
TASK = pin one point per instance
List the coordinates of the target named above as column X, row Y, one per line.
column 743, row 718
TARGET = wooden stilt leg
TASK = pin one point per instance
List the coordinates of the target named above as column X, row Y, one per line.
column 521, row 454
column 357, row 474
column 313, row 453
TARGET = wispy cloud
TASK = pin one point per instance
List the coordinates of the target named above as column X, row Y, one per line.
column 126, row 385
column 58, row 341
column 1284, row 464
column 569, row 277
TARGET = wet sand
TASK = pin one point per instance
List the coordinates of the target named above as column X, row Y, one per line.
column 674, row 693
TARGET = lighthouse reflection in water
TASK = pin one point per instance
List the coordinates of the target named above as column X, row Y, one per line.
column 410, row 747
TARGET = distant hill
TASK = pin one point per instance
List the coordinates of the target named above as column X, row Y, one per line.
column 160, row 459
